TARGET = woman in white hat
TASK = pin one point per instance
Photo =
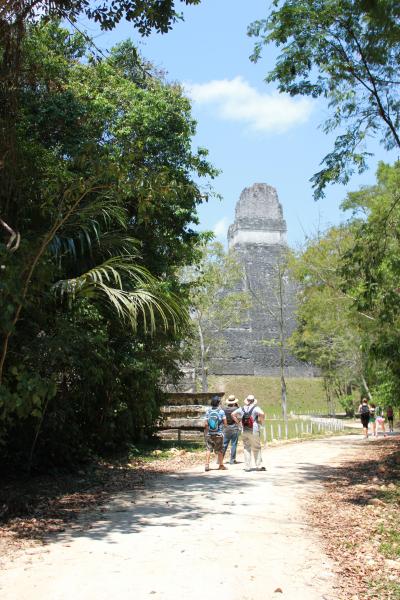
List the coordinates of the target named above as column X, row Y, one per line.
column 231, row 431
column 251, row 417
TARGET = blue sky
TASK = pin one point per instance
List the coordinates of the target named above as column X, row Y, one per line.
column 253, row 134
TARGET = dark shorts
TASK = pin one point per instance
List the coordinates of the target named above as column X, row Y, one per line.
column 214, row 442
column 365, row 420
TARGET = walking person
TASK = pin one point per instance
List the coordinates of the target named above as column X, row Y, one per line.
column 231, row 431
column 372, row 419
column 380, row 420
column 390, row 415
column 215, row 419
column 364, row 411
column 251, row 417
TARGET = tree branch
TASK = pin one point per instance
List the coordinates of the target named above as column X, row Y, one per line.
column 15, row 237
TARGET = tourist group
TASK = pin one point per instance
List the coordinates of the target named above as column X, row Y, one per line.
column 371, row 414
column 223, row 426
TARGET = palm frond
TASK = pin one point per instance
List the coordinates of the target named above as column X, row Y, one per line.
column 87, row 226
column 130, row 290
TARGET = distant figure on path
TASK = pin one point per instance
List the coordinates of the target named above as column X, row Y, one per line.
column 213, row 434
column 390, row 415
column 380, row 419
column 231, row 431
column 251, row 417
column 372, row 418
column 363, row 409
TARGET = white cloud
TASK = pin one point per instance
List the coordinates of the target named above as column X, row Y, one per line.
column 221, row 228
column 236, row 100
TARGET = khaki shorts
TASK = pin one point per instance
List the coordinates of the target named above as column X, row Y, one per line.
column 214, row 442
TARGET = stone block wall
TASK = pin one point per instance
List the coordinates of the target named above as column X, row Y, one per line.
column 258, row 237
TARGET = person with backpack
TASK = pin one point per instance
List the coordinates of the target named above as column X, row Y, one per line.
column 390, row 416
column 380, row 420
column 231, row 431
column 372, row 419
column 364, row 411
column 251, row 417
column 215, row 419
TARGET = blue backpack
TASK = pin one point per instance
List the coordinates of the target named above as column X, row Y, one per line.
column 213, row 420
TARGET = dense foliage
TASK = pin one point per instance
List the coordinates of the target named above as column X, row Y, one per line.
column 371, row 268
column 349, row 304
column 145, row 15
column 348, row 52
column 97, row 201
column 329, row 328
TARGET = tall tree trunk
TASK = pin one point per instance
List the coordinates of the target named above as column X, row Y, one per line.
column 365, row 384
column 328, row 395
column 203, row 368
column 282, row 347
column 283, row 398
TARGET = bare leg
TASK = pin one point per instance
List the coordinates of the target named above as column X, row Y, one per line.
column 207, row 466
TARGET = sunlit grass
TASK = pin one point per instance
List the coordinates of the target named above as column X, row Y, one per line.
column 304, row 394
column 159, row 449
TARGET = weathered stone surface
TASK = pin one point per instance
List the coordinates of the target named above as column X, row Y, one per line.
column 191, row 399
column 187, row 382
column 258, row 236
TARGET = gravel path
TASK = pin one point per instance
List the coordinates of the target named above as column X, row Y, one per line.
column 225, row 535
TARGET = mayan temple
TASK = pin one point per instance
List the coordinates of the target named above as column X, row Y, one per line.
column 258, row 236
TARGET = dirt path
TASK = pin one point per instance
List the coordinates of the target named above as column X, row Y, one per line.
column 193, row 535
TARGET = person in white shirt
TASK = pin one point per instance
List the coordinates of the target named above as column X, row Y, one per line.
column 250, row 417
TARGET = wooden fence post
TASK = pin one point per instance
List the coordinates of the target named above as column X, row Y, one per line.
column 265, row 435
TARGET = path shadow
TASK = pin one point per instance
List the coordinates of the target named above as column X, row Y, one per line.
column 172, row 500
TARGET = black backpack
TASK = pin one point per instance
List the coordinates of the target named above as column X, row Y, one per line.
column 228, row 413
column 364, row 409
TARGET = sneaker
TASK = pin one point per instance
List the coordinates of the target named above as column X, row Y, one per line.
column 222, row 468
column 261, row 469
column 206, row 468
column 233, row 462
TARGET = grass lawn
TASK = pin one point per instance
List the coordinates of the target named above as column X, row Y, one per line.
column 305, row 394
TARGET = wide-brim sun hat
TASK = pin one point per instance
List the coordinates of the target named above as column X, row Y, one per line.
column 231, row 400
column 250, row 400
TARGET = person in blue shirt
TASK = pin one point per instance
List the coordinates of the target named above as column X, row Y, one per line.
column 215, row 420
column 231, row 431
